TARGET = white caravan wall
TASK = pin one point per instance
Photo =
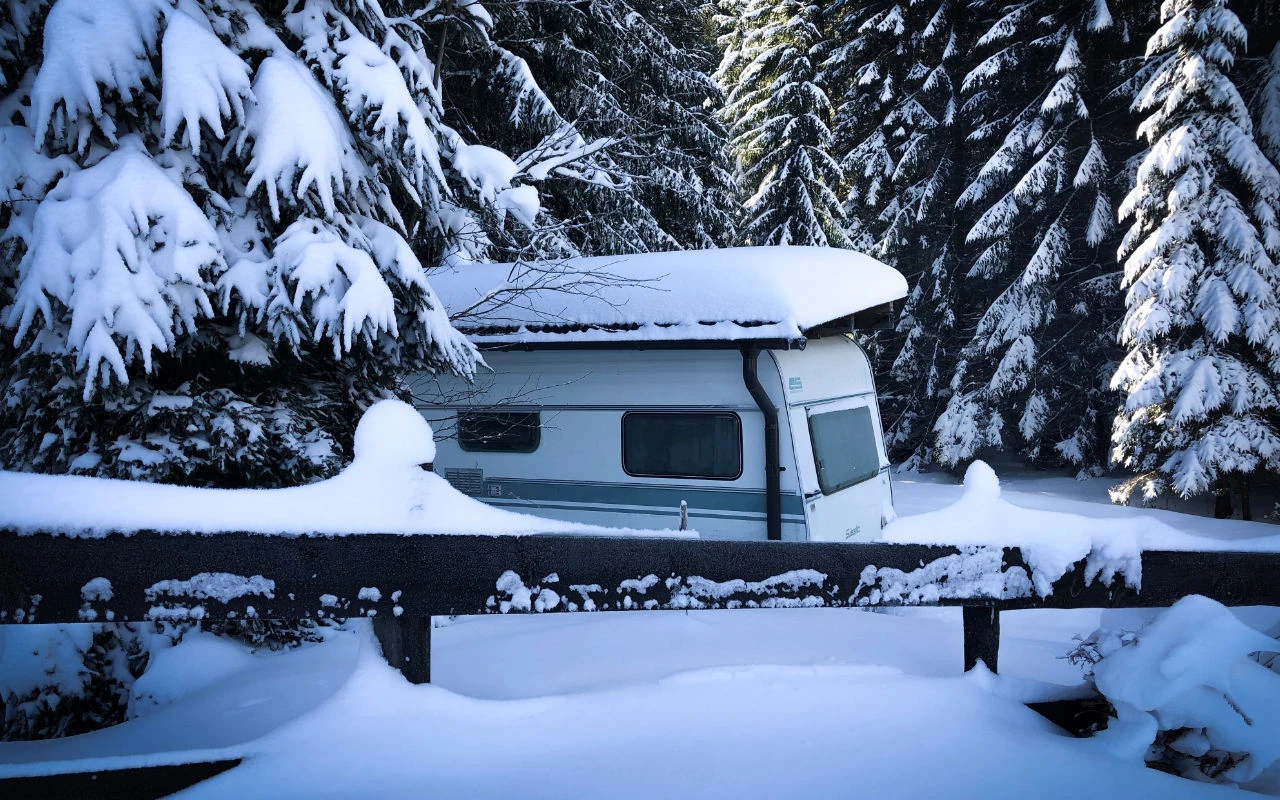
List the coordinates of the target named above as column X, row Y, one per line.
column 576, row 473
column 833, row 375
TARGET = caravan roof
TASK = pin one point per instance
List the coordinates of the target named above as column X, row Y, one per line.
column 783, row 294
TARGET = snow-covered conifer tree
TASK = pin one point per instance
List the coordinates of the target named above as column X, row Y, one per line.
column 1267, row 106
column 215, row 222
column 208, row 224
column 1202, row 327
column 1030, row 373
column 731, row 33
column 778, row 116
column 924, row 132
column 633, row 74
column 688, row 183
column 866, row 73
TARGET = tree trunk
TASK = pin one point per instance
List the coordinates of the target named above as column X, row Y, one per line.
column 1246, row 508
column 444, row 34
column 1222, row 499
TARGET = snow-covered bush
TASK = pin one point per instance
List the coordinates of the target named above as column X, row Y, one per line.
column 60, row 680
column 1192, row 692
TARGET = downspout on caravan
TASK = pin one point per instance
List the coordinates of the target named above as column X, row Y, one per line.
column 772, row 462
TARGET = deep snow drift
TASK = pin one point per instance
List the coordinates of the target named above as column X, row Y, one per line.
column 751, row 704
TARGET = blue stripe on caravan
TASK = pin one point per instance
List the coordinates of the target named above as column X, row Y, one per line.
column 742, row 501
column 694, row 515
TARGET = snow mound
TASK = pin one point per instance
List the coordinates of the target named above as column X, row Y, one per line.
column 981, row 481
column 198, row 661
column 392, row 433
column 1051, row 541
column 1190, row 670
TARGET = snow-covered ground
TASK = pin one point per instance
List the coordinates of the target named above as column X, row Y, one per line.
column 761, row 703
column 766, row 703
column 917, row 493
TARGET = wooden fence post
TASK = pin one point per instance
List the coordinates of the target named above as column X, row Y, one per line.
column 981, row 637
column 406, row 644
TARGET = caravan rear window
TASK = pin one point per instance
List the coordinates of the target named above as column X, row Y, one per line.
column 844, row 447
column 499, row 432
column 690, row 444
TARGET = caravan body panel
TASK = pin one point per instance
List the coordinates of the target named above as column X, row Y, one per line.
column 832, row 413
column 577, row 473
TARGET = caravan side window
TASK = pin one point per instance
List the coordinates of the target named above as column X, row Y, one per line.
column 844, row 447
column 499, row 432
column 688, row 444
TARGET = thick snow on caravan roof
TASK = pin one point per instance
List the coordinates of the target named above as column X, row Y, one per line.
column 731, row 294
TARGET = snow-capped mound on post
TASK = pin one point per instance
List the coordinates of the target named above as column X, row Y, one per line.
column 1112, row 539
column 384, row 490
column 392, row 433
column 740, row 293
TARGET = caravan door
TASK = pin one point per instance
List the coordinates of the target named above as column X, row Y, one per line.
column 847, row 496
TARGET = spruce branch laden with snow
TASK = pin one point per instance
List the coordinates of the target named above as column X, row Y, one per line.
column 209, row 228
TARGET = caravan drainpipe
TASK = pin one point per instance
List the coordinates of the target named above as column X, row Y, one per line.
column 772, row 477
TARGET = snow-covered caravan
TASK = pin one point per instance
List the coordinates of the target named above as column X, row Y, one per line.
column 622, row 388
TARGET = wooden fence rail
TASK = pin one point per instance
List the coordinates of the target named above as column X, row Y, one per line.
column 402, row 581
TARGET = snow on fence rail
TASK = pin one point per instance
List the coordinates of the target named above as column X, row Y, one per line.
column 402, row 581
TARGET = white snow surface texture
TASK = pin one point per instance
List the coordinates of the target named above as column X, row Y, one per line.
column 385, row 491
column 783, row 703
column 700, row 294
